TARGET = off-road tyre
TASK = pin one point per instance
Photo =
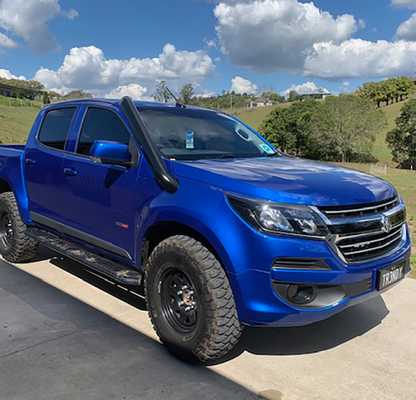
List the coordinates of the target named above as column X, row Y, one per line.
column 217, row 327
column 15, row 245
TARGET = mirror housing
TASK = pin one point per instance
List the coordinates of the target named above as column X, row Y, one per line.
column 113, row 153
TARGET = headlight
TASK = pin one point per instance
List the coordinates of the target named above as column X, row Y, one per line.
column 279, row 218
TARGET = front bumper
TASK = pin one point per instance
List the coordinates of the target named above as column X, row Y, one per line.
column 257, row 297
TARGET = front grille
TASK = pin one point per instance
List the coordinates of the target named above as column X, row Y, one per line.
column 370, row 246
column 367, row 232
column 360, row 210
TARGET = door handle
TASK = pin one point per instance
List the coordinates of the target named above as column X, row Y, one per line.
column 70, row 172
column 30, row 161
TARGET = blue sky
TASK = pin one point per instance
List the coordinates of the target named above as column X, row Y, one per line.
column 126, row 47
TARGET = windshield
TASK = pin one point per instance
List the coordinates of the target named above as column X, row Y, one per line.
column 189, row 134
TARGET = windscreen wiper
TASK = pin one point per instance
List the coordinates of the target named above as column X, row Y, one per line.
column 273, row 155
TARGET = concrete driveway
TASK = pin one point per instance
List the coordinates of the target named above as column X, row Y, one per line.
column 67, row 334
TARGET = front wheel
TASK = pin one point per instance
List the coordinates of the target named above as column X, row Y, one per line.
column 15, row 245
column 190, row 301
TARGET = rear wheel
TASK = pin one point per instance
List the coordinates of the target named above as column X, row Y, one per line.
column 15, row 245
column 190, row 301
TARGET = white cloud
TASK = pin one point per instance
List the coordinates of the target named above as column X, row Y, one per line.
column 305, row 88
column 71, row 14
column 6, row 42
column 28, row 19
column 361, row 23
column 210, row 42
column 407, row 30
column 403, row 3
column 6, row 74
column 287, row 35
column 134, row 90
column 87, row 68
column 240, row 85
column 357, row 58
column 273, row 35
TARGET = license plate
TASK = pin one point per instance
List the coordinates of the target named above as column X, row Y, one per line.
column 390, row 275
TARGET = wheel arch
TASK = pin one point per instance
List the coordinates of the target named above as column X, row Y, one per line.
column 19, row 192
column 162, row 230
column 5, row 186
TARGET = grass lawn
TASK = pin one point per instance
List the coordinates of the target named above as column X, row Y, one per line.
column 15, row 123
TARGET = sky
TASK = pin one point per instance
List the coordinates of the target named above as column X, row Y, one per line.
column 126, row 47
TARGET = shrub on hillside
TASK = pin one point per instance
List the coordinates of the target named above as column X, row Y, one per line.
column 338, row 129
column 402, row 139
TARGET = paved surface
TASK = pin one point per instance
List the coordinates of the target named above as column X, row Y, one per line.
column 66, row 334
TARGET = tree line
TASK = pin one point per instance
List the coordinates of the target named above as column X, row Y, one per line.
column 340, row 128
column 387, row 90
column 225, row 100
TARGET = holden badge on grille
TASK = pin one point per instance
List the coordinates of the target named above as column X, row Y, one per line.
column 385, row 223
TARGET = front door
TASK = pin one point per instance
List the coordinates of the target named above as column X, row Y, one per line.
column 99, row 199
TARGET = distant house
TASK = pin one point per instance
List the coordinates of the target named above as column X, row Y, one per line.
column 6, row 91
column 258, row 103
column 10, row 91
column 315, row 96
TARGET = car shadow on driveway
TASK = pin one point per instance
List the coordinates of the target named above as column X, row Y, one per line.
column 332, row 332
column 320, row 336
column 53, row 345
column 343, row 327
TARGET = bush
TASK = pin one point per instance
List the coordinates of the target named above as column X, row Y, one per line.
column 402, row 139
column 338, row 129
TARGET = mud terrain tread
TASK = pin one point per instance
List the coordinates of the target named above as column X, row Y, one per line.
column 223, row 328
column 23, row 248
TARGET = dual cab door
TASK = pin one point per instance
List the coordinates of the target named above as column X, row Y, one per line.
column 90, row 201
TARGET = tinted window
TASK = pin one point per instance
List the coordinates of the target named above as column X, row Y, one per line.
column 55, row 127
column 194, row 134
column 101, row 124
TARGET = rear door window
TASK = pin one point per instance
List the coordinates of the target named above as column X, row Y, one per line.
column 101, row 124
column 55, row 127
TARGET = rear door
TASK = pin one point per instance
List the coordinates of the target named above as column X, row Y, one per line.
column 43, row 164
column 99, row 200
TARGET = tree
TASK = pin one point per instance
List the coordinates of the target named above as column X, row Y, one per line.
column 54, row 95
column 348, row 124
column 77, row 94
column 161, row 94
column 387, row 90
column 276, row 98
column 402, row 139
column 274, row 129
column 19, row 93
column 289, row 128
column 272, row 97
column 19, row 83
column 293, row 96
column 187, row 93
column 405, row 86
column 45, row 98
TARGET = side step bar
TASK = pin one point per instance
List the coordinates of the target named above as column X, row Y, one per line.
column 110, row 269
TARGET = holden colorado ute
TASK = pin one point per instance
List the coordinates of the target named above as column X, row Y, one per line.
column 222, row 229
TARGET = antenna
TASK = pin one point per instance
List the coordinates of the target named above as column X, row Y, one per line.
column 177, row 101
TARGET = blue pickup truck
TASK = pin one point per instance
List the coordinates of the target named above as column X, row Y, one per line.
column 222, row 229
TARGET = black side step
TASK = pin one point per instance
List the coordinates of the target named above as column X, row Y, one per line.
column 117, row 272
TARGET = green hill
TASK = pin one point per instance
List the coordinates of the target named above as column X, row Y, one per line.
column 16, row 119
column 254, row 116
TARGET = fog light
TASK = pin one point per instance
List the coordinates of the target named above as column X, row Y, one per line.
column 300, row 294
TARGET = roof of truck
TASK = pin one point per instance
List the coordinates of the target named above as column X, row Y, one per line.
column 117, row 102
